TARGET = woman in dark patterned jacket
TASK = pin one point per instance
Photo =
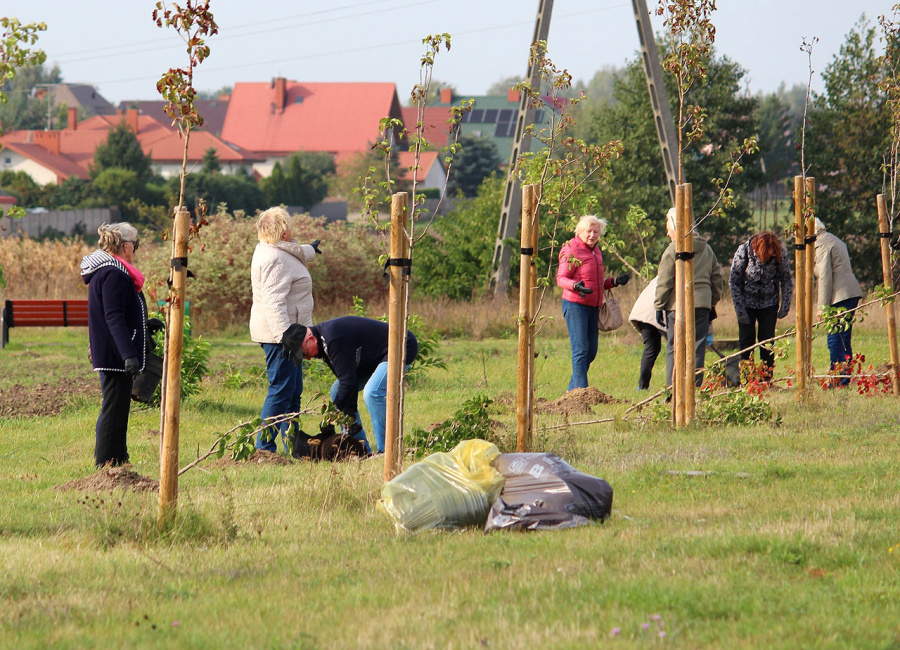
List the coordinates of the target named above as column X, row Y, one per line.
column 761, row 289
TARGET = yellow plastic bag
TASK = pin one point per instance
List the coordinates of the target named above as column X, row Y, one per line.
column 451, row 489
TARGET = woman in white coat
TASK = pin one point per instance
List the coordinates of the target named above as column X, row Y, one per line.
column 282, row 296
column 643, row 319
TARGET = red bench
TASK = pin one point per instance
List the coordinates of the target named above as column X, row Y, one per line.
column 42, row 313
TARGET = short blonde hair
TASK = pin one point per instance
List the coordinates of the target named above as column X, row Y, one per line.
column 113, row 236
column 589, row 220
column 670, row 219
column 272, row 224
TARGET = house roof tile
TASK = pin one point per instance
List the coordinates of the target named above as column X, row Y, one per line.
column 339, row 118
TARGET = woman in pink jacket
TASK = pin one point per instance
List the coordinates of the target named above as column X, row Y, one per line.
column 580, row 275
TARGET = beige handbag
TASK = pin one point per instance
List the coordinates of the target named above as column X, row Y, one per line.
column 610, row 313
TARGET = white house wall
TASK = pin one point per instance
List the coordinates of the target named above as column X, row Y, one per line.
column 18, row 163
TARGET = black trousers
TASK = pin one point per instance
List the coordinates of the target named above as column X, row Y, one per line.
column 701, row 329
column 760, row 328
column 112, row 425
column 652, row 345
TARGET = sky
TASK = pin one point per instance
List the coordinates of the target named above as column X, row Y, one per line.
column 115, row 45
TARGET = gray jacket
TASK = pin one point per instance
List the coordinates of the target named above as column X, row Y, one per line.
column 708, row 283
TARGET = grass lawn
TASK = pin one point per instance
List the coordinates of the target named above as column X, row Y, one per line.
column 758, row 536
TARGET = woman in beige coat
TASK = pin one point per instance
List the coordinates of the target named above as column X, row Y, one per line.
column 282, row 296
column 838, row 287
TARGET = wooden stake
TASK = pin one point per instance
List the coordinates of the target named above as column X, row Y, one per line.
column 690, row 322
column 810, row 269
column 678, row 371
column 525, row 385
column 168, row 462
column 884, row 230
column 800, row 283
column 397, row 328
column 534, row 200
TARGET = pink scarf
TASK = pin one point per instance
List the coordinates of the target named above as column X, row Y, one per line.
column 136, row 276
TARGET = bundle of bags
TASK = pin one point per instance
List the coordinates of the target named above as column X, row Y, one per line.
column 475, row 485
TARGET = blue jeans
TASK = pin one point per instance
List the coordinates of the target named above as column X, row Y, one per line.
column 839, row 343
column 581, row 321
column 375, row 396
column 285, row 388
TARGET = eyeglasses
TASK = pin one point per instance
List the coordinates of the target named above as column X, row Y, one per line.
column 136, row 243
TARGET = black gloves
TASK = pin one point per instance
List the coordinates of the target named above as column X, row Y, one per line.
column 581, row 289
column 622, row 280
column 155, row 325
column 292, row 343
column 132, row 367
column 315, row 246
column 661, row 318
column 712, row 313
column 354, row 429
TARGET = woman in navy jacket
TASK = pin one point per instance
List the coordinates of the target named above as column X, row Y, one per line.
column 117, row 330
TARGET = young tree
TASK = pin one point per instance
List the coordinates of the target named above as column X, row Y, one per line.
column 16, row 40
column 847, row 136
column 639, row 178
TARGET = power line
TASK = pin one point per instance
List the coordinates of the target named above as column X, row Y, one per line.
column 219, row 37
column 354, row 50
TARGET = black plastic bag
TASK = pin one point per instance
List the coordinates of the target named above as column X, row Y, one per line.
column 542, row 491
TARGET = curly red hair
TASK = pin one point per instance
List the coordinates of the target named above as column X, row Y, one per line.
column 766, row 246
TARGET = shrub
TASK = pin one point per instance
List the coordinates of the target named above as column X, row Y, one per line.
column 472, row 420
column 221, row 294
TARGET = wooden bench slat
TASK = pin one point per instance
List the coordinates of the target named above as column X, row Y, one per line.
column 43, row 313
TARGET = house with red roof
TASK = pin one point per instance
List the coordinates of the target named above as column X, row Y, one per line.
column 54, row 156
column 277, row 119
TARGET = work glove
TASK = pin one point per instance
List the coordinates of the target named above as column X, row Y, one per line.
column 622, row 280
column 783, row 312
column 155, row 325
column 661, row 318
column 315, row 245
column 743, row 317
column 132, row 367
column 712, row 313
column 581, row 289
column 354, row 429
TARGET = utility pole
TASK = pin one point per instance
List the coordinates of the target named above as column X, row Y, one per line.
column 512, row 198
column 659, row 99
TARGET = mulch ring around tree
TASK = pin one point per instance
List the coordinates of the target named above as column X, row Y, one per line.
column 577, row 401
column 110, row 478
column 46, row 399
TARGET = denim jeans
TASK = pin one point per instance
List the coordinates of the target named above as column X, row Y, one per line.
column 285, row 388
column 701, row 330
column 839, row 346
column 581, row 321
column 652, row 345
column 375, row 396
column 760, row 328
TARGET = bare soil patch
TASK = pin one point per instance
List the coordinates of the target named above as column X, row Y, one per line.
column 110, row 478
column 46, row 399
column 577, row 401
